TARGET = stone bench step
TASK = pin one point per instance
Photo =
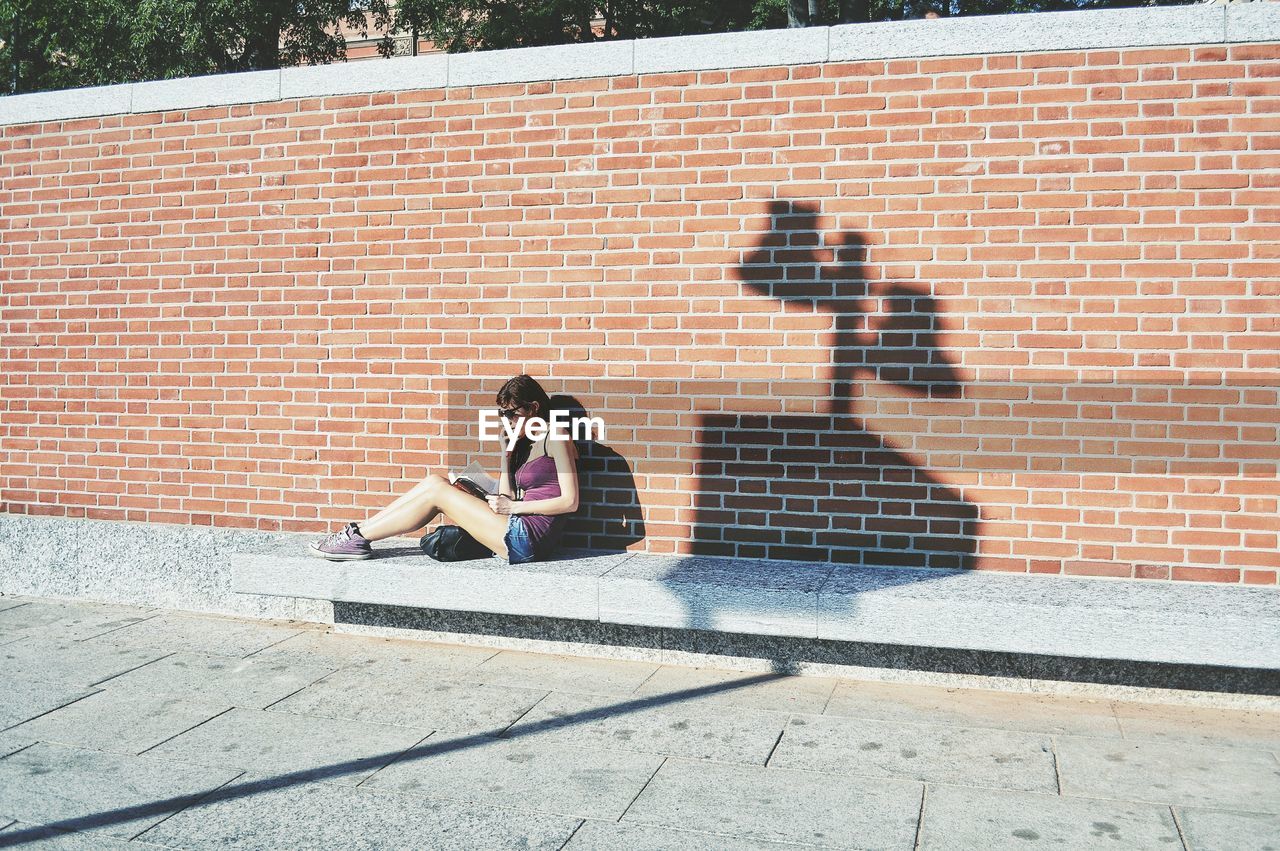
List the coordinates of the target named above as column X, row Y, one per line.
column 1177, row 623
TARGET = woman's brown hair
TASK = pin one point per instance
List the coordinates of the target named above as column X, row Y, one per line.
column 524, row 391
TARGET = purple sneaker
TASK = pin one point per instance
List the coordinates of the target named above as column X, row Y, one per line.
column 347, row 545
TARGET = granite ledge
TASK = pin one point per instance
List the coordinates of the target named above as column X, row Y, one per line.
column 1138, row 620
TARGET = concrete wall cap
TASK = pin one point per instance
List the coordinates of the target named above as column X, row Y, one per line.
column 1199, row 24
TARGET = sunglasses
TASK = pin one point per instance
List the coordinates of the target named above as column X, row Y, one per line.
column 508, row 413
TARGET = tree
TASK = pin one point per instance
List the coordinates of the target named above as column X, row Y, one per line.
column 461, row 25
column 51, row 44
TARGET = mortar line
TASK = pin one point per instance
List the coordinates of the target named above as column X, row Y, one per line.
column 1115, row 714
column 1177, row 825
column 642, row 683
column 20, row 750
column 188, row 730
column 395, row 759
column 502, row 734
column 777, row 741
column 573, row 833
column 300, row 689
column 155, row 614
column 49, row 711
column 131, row 670
column 1057, row 772
column 826, row 704
column 924, row 794
column 623, row 814
column 253, row 653
column 195, row 802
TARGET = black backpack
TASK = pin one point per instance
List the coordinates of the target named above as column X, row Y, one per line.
column 452, row 543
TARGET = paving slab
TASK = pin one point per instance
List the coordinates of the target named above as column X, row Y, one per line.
column 78, row 789
column 769, row 692
column 276, row 743
column 47, row 839
column 1200, row 725
column 251, row 814
column 544, row 777
column 1178, row 774
column 772, row 804
column 65, row 620
column 751, row 596
column 1220, row 830
column 673, row 713
column 968, row 755
column 382, row 695
column 195, row 634
column 956, row 817
column 75, row 663
column 120, row 721
column 654, row 725
column 564, row 673
column 25, row 699
column 973, row 708
column 606, row 836
column 250, row 683
column 354, row 651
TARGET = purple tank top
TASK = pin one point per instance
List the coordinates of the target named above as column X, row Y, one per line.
column 537, row 479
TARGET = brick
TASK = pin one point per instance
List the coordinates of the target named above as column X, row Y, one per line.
column 209, row 320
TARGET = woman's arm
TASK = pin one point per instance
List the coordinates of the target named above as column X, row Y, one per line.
column 565, row 454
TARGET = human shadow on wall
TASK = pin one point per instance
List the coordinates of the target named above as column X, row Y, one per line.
column 609, row 518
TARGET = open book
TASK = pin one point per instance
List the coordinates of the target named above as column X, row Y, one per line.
column 474, row 480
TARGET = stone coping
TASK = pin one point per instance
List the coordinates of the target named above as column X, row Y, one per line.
column 1200, row 24
column 1179, row 623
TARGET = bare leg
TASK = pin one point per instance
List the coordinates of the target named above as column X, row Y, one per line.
column 434, row 495
column 414, row 493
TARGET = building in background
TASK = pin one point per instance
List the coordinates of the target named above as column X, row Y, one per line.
column 366, row 46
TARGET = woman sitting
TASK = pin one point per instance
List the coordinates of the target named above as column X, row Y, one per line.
column 520, row 528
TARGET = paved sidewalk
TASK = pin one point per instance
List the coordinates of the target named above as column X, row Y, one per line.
column 139, row 728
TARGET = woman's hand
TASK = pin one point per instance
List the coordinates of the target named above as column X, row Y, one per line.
column 501, row 503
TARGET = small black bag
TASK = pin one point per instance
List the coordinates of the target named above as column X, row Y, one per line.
column 453, row 543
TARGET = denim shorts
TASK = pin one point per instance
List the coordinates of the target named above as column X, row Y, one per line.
column 519, row 545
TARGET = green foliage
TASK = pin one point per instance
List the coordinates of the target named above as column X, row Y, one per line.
column 53, row 44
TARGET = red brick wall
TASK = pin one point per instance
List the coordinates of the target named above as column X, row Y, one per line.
column 1014, row 313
